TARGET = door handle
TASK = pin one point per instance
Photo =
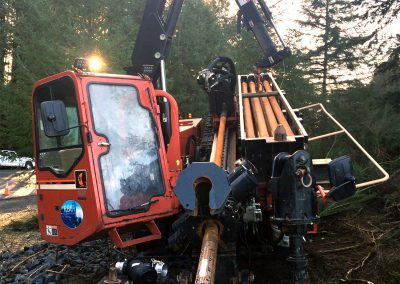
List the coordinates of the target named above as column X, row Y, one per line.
column 103, row 144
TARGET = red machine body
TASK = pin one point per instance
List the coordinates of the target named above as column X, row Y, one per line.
column 79, row 179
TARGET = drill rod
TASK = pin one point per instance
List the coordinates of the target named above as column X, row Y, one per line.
column 208, row 255
column 209, row 247
column 220, row 139
column 258, row 112
column 232, row 151
column 248, row 120
column 269, row 116
column 277, row 110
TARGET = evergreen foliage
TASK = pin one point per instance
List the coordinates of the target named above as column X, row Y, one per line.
column 333, row 51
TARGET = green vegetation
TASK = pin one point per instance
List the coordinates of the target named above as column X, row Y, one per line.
column 357, row 201
column 27, row 225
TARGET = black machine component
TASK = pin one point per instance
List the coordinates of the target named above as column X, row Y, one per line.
column 341, row 178
column 294, row 204
column 208, row 193
column 154, row 38
column 294, row 195
column 137, row 271
column 243, row 180
column 219, row 81
column 252, row 20
column 186, row 230
column 165, row 119
column 207, row 139
column 211, row 186
column 202, row 189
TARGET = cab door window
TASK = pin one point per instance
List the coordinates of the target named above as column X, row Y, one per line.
column 130, row 169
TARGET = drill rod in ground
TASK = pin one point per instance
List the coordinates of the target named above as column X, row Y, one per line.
column 209, row 248
column 208, row 255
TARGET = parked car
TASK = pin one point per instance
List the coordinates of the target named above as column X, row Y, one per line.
column 10, row 158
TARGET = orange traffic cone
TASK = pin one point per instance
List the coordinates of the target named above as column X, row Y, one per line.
column 6, row 190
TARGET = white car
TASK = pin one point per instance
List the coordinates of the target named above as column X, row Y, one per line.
column 10, row 158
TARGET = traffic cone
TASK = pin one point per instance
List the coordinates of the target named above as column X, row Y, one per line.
column 6, row 190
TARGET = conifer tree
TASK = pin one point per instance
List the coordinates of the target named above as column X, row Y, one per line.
column 332, row 49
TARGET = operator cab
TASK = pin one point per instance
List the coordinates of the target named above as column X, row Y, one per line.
column 100, row 161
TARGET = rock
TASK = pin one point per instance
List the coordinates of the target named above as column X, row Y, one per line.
column 23, row 269
column 96, row 268
column 32, row 264
column 79, row 261
column 7, row 255
column 103, row 263
column 19, row 277
column 29, row 252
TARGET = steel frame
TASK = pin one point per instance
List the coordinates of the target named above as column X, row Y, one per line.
column 344, row 130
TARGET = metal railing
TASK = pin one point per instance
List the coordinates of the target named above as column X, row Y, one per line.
column 344, row 130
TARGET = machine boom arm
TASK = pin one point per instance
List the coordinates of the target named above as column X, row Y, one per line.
column 155, row 35
column 154, row 38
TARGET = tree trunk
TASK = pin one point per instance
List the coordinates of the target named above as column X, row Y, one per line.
column 326, row 49
column 3, row 40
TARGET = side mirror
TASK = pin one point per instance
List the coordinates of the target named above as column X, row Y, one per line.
column 341, row 178
column 54, row 118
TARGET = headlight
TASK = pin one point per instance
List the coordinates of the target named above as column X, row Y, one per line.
column 95, row 64
column 92, row 64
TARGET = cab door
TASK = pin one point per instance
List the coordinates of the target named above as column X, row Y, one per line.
column 130, row 162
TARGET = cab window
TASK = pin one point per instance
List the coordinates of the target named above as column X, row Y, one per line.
column 58, row 154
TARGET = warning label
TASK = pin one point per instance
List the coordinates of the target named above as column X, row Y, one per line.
column 51, row 230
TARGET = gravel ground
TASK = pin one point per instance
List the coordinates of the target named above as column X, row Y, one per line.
column 46, row 263
column 359, row 246
column 25, row 258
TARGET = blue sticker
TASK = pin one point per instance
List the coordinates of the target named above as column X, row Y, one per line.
column 71, row 214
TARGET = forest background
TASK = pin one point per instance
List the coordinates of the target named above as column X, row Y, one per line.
column 345, row 55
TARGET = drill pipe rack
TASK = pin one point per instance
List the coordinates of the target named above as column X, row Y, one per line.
column 268, row 124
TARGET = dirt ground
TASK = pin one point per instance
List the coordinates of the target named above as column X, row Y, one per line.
column 361, row 245
column 18, row 223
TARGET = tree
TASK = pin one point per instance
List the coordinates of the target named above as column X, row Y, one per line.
column 47, row 35
column 7, row 13
column 390, row 69
column 198, row 40
column 383, row 12
column 332, row 50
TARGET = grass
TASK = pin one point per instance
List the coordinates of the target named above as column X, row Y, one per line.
column 393, row 238
column 30, row 224
column 357, row 201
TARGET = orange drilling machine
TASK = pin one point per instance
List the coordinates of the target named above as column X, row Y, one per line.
column 114, row 160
